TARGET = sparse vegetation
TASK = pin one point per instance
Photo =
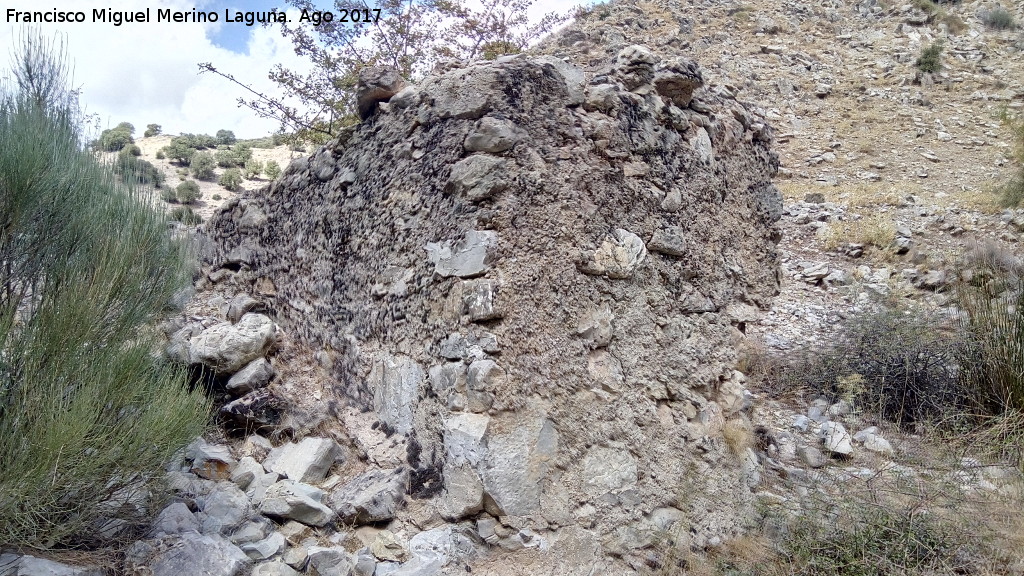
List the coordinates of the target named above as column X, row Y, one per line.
column 876, row 231
column 187, row 192
column 231, row 179
column 998, row 19
column 930, row 59
column 1012, row 192
column 87, row 418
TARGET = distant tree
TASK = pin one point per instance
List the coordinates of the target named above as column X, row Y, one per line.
column 202, row 165
column 179, row 150
column 116, row 138
column 272, row 170
column 226, row 137
column 231, row 179
column 152, row 130
column 187, row 192
column 252, row 170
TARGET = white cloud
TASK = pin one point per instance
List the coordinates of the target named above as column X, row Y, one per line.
column 147, row 72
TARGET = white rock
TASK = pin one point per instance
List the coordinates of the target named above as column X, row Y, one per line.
column 836, row 439
column 227, row 347
column 308, row 461
column 296, row 501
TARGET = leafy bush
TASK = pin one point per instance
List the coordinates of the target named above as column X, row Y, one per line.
column 930, row 60
column 202, row 165
column 186, row 215
column 131, row 150
column 225, row 158
column 253, row 168
column 115, row 139
column 272, row 169
column 152, row 130
column 187, row 192
column 226, row 137
column 169, row 195
column 998, row 19
column 160, row 155
column 87, row 418
column 134, row 170
column 231, row 179
column 179, row 151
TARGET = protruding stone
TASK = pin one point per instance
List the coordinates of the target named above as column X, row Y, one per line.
column 676, row 80
column 619, row 256
column 670, row 240
column 469, row 258
column 296, row 501
column 374, row 496
column 307, row 461
column 255, row 374
column 387, row 547
column 479, row 299
column 227, row 347
column 329, row 561
column 395, row 381
column 836, row 439
column 493, row 135
column 478, row 177
column 608, row 469
column 376, row 84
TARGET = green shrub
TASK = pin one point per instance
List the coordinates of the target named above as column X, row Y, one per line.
column 272, row 169
column 88, row 419
column 216, row 197
column 231, row 179
column 226, row 137
column 179, row 150
column 187, row 192
column 114, row 139
column 225, row 158
column 152, row 130
column 160, row 155
column 930, row 60
column 202, row 165
column 131, row 150
column 186, row 215
column 169, row 195
column 136, row 171
column 998, row 19
column 253, row 169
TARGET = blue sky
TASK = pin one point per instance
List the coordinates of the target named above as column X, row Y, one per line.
column 236, row 38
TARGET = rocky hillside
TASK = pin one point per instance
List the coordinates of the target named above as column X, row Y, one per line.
column 495, row 328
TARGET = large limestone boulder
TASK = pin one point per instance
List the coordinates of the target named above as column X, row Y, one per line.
column 227, row 347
